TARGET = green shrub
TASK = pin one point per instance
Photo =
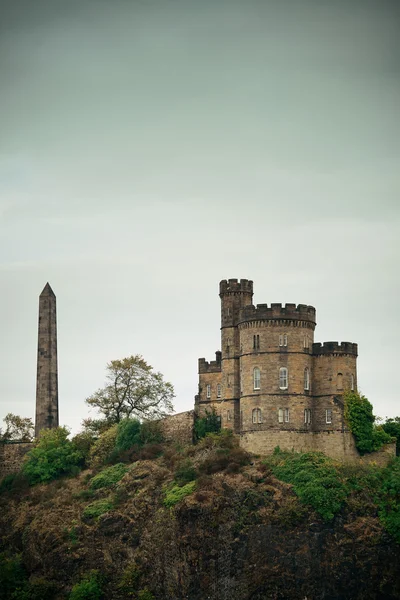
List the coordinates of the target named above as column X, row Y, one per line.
column 103, row 447
column 6, row 484
column 176, row 493
column 210, row 423
column 359, row 416
column 185, row 473
column 145, row 595
column 53, row 456
column 108, row 476
column 13, row 577
column 83, row 442
column 90, row 588
column 151, row 432
column 392, row 427
column 389, row 500
column 129, row 581
column 315, row 480
column 98, row 508
column 128, row 434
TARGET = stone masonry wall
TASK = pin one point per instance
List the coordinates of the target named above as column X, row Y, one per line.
column 336, row 444
column 12, row 456
column 179, row 428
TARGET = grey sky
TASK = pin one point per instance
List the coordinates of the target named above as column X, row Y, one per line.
column 149, row 149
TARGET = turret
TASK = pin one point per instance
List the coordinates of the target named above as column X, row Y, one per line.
column 234, row 295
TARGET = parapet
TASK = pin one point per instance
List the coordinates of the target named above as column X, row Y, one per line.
column 234, row 285
column 262, row 312
column 214, row 366
column 319, row 349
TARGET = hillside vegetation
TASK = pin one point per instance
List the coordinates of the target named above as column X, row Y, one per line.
column 146, row 520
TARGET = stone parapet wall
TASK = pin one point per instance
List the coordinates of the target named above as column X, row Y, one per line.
column 336, row 444
column 179, row 428
column 12, row 456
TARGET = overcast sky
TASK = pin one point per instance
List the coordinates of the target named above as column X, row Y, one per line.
column 151, row 148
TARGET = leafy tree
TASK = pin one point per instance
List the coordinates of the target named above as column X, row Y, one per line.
column 392, row 427
column 18, row 428
column 53, row 456
column 133, row 389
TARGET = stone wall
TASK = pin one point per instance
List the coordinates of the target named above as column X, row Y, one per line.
column 12, row 456
column 336, row 444
column 179, row 428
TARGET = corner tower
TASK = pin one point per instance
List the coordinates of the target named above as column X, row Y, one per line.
column 47, row 371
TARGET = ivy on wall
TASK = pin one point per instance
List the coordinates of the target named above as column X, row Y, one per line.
column 361, row 421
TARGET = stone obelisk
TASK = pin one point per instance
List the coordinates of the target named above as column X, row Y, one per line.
column 47, row 372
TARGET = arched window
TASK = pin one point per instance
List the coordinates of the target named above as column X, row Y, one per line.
column 306, row 378
column 339, row 381
column 256, row 415
column 352, row 382
column 256, row 378
column 283, row 378
column 218, row 390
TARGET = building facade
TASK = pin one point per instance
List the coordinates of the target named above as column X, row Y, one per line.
column 271, row 383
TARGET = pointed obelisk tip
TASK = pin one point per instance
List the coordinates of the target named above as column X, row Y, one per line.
column 47, row 291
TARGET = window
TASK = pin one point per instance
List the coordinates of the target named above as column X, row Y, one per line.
column 228, row 380
column 256, row 342
column 208, row 391
column 283, row 415
column 256, row 378
column 339, row 381
column 283, row 339
column 219, row 390
column 352, row 383
column 283, row 378
column 328, row 415
column 256, row 415
column 228, row 415
column 306, row 341
column 307, row 416
column 306, row 379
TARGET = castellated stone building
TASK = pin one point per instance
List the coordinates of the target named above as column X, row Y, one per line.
column 271, row 383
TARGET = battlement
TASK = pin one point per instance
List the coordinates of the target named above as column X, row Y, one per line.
column 234, row 285
column 319, row 349
column 261, row 312
column 214, row 366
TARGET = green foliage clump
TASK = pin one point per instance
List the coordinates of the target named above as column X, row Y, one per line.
column 392, row 427
column 359, row 416
column 145, row 595
column 13, row 577
column 90, row 588
column 108, row 477
column 185, row 473
column 53, row 456
column 315, row 480
column 210, row 423
column 151, row 432
column 98, row 508
column 225, row 455
column 103, row 447
column 128, row 434
column 176, row 493
column 83, row 442
column 389, row 500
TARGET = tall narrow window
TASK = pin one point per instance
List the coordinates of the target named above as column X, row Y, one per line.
column 281, row 340
column 287, row 415
column 307, row 416
column 352, row 382
column 339, row 381
column 306, row 341
column 256, row 342
column 208, row 391
column 280, row 415
column 256, row 415
column 329, row 415
column 256, row 378
column 283, row 378
column 218, row 390
column 306, row 379
column 228, row 415
column 285, row 339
